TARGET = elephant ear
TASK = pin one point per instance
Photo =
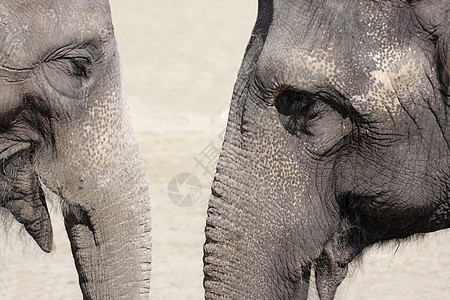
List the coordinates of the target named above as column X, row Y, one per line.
column 22, row 195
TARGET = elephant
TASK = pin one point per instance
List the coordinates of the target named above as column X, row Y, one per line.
column 337, row 140
column 65, row 130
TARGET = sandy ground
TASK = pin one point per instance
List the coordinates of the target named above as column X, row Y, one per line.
column 180, row 60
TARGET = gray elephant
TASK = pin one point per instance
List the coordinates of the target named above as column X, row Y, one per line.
column 64, row 125
column 337, row 139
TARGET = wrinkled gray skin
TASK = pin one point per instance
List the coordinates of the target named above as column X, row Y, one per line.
column 337, row 139
column 64, row 124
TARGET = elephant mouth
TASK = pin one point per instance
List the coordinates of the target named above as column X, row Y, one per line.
column 22, row 195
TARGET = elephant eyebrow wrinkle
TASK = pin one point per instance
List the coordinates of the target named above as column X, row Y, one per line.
column 11, row 74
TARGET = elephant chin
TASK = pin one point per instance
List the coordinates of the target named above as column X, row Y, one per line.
column 24, row 198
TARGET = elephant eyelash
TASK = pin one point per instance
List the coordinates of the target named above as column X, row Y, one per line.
column 74, row 66
column 79, row 58
column 289, row 103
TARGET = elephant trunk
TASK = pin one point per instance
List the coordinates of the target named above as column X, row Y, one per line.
column 233, row 266
column 253, row 249
column 111, row 241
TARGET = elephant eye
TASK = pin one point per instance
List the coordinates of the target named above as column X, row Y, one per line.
column 290, row 103
column 296, row 111
column 75, row 62
column 80, row 66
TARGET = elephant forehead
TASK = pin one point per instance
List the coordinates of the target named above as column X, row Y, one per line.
column 370, row 59
column 391, row 83
column 295, row 67
column 30, row 30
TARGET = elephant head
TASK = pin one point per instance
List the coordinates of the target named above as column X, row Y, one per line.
column 64, row 125
column 337, row 139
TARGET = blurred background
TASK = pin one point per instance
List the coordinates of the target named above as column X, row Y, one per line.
column 180, row 60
